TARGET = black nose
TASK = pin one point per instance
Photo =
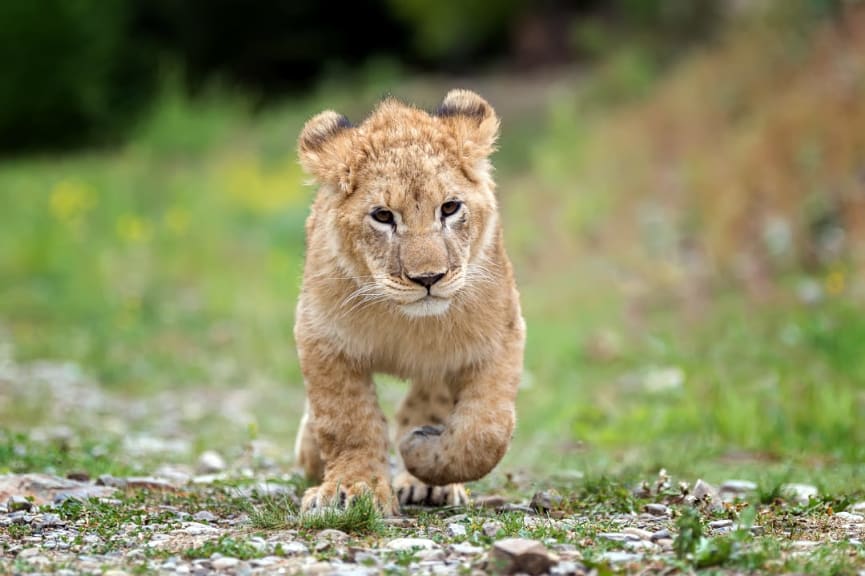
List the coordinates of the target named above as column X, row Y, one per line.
column 426, row 280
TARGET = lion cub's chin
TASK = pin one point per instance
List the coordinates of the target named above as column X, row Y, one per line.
column 426, row 306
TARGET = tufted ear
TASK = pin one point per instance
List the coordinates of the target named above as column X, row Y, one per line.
column 324, row 148
column 474, row 123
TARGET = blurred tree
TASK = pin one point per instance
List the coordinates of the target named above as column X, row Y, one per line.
column 70, row 71
column 268, row 46
column 455, row 31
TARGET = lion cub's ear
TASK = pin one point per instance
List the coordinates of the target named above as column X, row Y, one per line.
column 474, row 123
column 324, row 148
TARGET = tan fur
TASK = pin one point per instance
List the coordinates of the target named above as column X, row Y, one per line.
column 460, row 341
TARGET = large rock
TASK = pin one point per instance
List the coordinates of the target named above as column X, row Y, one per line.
column 44, row 489
column 514, row 555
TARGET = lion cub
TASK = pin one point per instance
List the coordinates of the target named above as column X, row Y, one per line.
column 406, row 274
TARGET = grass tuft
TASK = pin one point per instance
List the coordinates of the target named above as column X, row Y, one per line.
column 280, row 512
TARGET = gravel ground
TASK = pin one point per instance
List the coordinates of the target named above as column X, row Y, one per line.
column 175, row 510
column 212, row 523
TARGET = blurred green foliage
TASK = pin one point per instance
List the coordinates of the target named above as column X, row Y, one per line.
column 70, row 71
column 451, row 29
column 80, row 71
column 627, row 197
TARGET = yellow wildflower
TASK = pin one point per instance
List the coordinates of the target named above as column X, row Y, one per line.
column 70, row 200
column 133, row 229
column 835, row 282
column 264, row 190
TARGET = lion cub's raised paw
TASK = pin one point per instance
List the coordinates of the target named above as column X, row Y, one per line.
column 412, row 492
column 341, row 495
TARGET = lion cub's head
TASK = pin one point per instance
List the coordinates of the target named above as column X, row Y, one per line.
column 406, row 198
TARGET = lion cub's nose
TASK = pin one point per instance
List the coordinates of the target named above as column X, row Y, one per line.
column 426, row 280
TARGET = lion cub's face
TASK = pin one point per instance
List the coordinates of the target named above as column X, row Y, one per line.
column 409, row 198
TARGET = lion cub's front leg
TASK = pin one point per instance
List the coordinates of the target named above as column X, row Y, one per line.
column 350, row 429
column 425, row 405
column 478, row 432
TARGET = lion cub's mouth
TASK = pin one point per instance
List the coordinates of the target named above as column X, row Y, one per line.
column 429, row 305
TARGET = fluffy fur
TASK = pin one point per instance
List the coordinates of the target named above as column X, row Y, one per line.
column 384, row 214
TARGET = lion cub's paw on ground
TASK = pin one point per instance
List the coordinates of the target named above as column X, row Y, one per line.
column 341, row 495
column 412, row 492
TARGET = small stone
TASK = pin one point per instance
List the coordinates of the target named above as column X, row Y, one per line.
column 197, row 529
column 204, row 516
column 491, row 501
column 660, row 535
column 567, row 568
column 210, row 462
column 411, row 544
column 516, row 508
column 266, row 561
column 115, row 573
column 657, row 509
column 546, row 501
column 20, row 517
column 51, row 521
column 717, row 524
column 466, row 549
column 111, row 481
column 177, row 476
column 291, row 548
column 618, row 557
column 19, row 504
column 333, row 535
column 738, row 487
column 149, row 483
column 801, row 493
column 638, row 532
column 492, row 528
column 431, row 555
column 665, row 543
column 400, row 522
column 318, row 568
column 617, row 536
column 513, row 555
column 39, row 560
column 703, row 490
column 224, row 563
column 854, row 518
column 28, row 552
column 639, row 545
column 456, row 530
column 858, row 507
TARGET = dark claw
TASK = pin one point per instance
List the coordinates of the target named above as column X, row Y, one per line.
column 342, row 499
column 428, row 431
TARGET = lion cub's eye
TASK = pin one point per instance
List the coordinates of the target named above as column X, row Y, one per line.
column 451, row 208
column 383, row 216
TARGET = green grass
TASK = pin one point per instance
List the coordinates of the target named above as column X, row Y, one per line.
column 225, row 545
column 281, row 512
column 165, row 266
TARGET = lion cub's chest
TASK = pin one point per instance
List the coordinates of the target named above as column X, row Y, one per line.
column 415, row 347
